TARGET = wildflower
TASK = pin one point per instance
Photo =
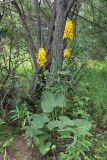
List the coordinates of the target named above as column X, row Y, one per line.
column 69, row 30
column 41, row 57
column 67, row 53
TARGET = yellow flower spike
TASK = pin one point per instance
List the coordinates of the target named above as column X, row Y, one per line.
column 41, row 57
column 69, row 30
column 67, row 53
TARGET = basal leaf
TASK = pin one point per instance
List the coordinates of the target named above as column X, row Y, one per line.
column 55, row 124
column 39, row 120
column 60, row 101
column 47, row 103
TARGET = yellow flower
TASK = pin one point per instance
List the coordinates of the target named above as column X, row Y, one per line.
column 41, row 57
column 69, row 30
column 67, row 53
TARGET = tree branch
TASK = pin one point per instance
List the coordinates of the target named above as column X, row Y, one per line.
column 28, row 33
column 38, row 23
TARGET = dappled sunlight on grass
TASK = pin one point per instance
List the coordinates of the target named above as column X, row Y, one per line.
column 97, row 65
column 25, row 68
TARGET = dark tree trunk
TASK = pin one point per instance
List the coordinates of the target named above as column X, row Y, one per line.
column 60, row 10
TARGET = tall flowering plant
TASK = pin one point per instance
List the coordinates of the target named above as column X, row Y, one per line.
column 68, row 34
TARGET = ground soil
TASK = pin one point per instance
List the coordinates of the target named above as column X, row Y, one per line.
column 20, row 151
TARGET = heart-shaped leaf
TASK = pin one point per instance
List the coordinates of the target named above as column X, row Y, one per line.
column 47, row 103
column 60, row 101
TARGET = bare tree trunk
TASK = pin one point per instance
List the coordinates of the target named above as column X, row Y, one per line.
column 38, row 23
column 63, row 8
column 57, row 45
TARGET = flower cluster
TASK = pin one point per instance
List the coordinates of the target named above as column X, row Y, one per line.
column 41, row 57
column 67, row 53
column 69, row 30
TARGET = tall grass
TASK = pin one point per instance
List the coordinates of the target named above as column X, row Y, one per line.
column 94, row 86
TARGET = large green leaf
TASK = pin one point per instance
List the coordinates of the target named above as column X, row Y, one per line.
column 45, row 148
column 51, row 100
column 39, row 120
column 32, row 132
column 82, row 122
column 55, row 124
column 44, row 144
column 75, row 122
column 47, row 103
column 60, row 101
column 66, row 132
column 66, row 120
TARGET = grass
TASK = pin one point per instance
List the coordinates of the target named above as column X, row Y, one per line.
column 94, row 86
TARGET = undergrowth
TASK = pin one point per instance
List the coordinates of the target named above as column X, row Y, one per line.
column 89, row 103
